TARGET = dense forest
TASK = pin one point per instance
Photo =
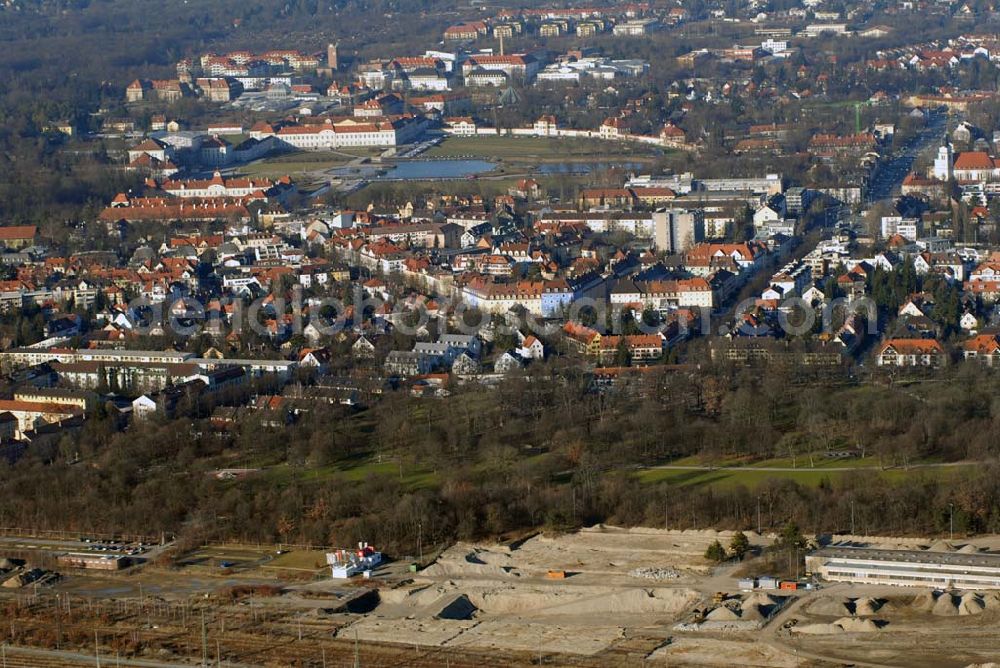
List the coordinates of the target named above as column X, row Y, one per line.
column 542, row 451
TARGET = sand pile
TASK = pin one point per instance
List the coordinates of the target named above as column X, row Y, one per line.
column 764, row 603
column 754, row 613
column 971, row 604
column 830, row 607
column 580, row 600
column 459, row 607
column 924, row 602
column 866, row 606
column 855, row 625
column 723, row 614
column 761, row 598
column 842, row 625
column 946, row 605
column 463, row 560
column 969, row 549
column 941, row 546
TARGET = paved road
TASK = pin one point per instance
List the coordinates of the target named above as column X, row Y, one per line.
column 890, row 176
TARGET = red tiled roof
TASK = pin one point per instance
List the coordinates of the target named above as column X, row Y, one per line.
column 18, row 232
column 912, row 346
column 974, row 160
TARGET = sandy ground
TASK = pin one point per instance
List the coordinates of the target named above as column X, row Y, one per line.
column 499, row 596
column 958, row 544
column 714, row 652
column 627, row 583
column 892, row 626
column 601, row 550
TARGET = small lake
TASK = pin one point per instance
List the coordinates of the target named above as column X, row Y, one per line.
column 415, row 170
column 421, row 170
column 433, row 170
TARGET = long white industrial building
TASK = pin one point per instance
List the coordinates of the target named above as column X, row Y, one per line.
column 906, row 568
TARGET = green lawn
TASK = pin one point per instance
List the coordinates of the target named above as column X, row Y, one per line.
column 354, row 471
column 276, row 169
column 805, row 476
column 729, row 478
column 537, row 149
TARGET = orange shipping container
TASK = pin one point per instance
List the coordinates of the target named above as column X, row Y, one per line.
column 789, row 585
column 556, row 575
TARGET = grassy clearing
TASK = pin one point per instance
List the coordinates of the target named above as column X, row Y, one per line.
column 354, row 470
column 303, row 560
column 538, row 149
column 811, row 477
column 275, row 169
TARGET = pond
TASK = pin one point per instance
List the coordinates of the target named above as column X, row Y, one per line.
column 416, row 170
column 420, row 170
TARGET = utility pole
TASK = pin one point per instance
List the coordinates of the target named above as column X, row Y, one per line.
column 357, row 651
column 420, row 543
column 204, row 641
column 97, row 651
column 852, row 517
column 951, row 508
column 758, row 516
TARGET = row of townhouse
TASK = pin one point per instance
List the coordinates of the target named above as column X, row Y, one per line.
column 983, row 349
column 605, row 348
column 705, row 259
column 158, row 362
column 545, row 298
column 663, row 295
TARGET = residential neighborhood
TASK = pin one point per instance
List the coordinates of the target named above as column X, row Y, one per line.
column 552, row 333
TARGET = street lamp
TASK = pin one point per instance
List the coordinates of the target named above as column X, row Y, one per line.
column 951, row 521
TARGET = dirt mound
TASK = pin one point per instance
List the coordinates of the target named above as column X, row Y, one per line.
column 762, row 604
column 723, row 614
column 754, row 613
column 971, row 604
column 992, row 599
column 925, row 601
column 941, row 546
column 969, row 549
column 401, row 595
column 760, row 598
column 866, row 606
column 580, row 600
column 946, row 605
column 830, row 607
column 465, row 559
column 842, row 625
column 459, row 608
column 817, row 629
column 856, row 625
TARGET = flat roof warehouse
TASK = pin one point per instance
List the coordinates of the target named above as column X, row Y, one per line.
column 906, row 567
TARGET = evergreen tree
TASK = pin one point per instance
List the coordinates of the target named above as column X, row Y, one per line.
column 716, row 552
column 739, row 545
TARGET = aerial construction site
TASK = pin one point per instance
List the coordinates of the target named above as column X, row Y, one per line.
column 601, row 596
